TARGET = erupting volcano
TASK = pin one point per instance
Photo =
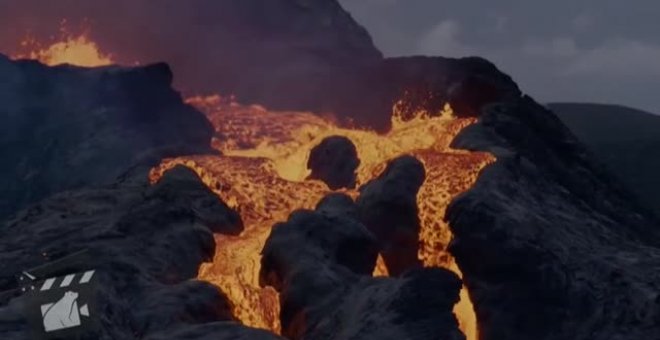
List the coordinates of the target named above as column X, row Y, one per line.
column 266, row 172
column 262, row 174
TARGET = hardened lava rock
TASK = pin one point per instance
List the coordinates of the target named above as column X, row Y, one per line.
column 337, row 204
column 321, row 263
column 387, row 205
column 146, row 243
column 334, row 162
column 65, row 128
column 550, row 246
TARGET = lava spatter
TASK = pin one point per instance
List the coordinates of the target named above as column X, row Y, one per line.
column 68, row 48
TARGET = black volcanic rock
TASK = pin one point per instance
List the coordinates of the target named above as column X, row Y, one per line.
column 215, row 331
column 549, row 245
column 428, row 83
column 146, row 244
column 334, row 161
column 189, row 302
column 366, row 94
column 321, row 263
column 337, row 204
column 215, row 214
column 333, row 240
column 65, row 127
column 387, row 205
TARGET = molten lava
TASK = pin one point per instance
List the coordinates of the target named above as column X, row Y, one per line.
column 262, row 173
column 72, row 49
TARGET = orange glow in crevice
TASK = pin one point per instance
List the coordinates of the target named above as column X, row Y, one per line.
column 262, row 174
column 67, row 48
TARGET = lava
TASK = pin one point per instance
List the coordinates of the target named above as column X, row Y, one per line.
column 263, row 169
column 262, row 173
column 69, row 48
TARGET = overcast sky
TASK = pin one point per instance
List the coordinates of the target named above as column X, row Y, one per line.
column 605, row 51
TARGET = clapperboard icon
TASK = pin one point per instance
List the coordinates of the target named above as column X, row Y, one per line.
column 61, row 307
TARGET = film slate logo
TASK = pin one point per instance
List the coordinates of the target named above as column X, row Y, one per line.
column 62, row 307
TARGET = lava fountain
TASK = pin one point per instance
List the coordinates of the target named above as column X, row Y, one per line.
column 262, row 174
column 69, row 48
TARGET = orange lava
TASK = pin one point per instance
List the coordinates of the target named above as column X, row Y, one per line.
column 262, row 174
column 71, row 49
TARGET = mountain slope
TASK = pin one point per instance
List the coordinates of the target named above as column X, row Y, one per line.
column 549, row 245
column 626, row 140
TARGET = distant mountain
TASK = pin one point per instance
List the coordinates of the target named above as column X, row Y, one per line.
column 626, row 140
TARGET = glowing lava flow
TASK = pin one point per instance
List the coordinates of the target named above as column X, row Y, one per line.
column 262, row 174
column 77, row 50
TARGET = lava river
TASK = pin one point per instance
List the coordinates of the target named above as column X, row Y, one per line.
column 262, row 174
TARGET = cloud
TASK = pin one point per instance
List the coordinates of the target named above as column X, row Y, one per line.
column 617, row 58
column 563, row 47
column 442, row 40
column 501, row 24
column 610, row 59
column 582, row 22
column 560, row 56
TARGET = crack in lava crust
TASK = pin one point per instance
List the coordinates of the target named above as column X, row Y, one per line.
column 262, row 174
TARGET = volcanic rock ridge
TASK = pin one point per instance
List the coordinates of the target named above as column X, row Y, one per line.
column 66, row 127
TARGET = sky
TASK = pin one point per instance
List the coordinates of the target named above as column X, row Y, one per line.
column 604, row 51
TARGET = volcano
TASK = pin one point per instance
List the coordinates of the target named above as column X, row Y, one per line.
column 349, row 197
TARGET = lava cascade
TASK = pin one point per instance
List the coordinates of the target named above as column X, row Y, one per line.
column 262, row 173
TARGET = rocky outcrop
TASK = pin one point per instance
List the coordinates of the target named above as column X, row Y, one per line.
column 366, row 94
column 64, row 128
column 215, row 331
column 550, row 247
column 334, row 161
column 321, row 263
column 387, row 205
column 145, row 242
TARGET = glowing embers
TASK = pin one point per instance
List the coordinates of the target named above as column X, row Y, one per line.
column 68, row 48
column 262, row 175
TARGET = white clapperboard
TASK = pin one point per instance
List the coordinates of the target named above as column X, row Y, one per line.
column 61, row 307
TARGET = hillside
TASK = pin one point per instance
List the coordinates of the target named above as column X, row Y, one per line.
column 626, row 140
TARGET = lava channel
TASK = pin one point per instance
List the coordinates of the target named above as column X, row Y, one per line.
column 262, row 174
